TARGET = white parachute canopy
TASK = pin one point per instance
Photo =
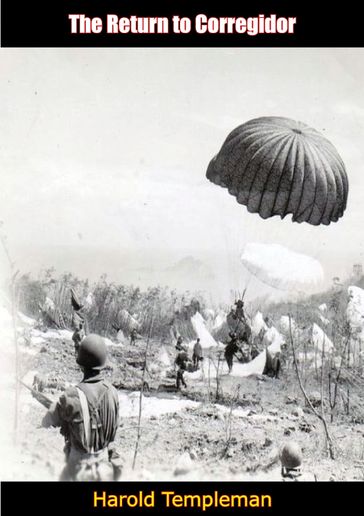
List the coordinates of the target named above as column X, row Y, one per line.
column 120, row 337
column 89, row 301
column 209, row 317
column 355, row 308
column 355, row 318
column 127, row 320
column 219, row 320
column 206, row 339
column 280, row 267
column 273, row 340
column 320, row 340
column 208, row 313
column 256, row 366
column 164, row 357
column 284, row 324
column 49, row 304
column 258, row 324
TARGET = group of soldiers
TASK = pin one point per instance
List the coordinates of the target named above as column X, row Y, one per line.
column 88, row 414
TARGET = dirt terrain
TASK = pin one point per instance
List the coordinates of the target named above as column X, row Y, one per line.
column 190, row 435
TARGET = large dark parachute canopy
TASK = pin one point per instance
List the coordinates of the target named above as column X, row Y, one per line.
column 279, row 166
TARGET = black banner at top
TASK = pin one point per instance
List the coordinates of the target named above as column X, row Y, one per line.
column 179, row 23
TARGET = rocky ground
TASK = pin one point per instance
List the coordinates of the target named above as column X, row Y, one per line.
column 229, row 431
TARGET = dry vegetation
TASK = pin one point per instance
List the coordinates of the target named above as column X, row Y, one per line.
column 221, row 426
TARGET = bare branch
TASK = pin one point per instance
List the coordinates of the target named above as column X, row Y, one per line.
column 142, row 391
column 308, row 401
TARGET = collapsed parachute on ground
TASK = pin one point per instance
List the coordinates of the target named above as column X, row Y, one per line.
column 75, row 301
column 258, row 324
column 199, row 325
column 320, row 340
column 355, row 308
column 281, row 268
column 125, row 321
column 278, row 166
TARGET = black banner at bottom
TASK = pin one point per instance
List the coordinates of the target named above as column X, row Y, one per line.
column 45, row 498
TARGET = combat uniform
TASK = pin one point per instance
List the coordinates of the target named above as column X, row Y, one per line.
column 133, row 336
column 231, row 348
column 179, row 345
column 181, row 362
column 197, row 353
column 88, row 416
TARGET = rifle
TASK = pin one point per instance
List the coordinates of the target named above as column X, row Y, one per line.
column 39, row 396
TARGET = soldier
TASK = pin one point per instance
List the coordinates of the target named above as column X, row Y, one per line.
column 197, row 353
column 272, row 364
column 133, row 336
column 181, row 363
column 230, row 349
column 88, row 416
column 179, row 345
column 291, row 459
column 77, row 337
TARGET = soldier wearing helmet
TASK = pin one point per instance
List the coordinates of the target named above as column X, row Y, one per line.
column 179, row 345
column 88, row 415
column 77, row 336
column 291, row 459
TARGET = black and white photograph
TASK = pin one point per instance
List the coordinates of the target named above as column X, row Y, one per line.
column 181, row 264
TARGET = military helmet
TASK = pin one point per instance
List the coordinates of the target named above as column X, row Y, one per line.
column 291, row 455
column 92, row 352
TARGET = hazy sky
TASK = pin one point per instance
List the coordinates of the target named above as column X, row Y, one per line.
column 108, row 148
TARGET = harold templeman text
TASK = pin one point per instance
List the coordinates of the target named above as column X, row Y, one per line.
column 171, row 499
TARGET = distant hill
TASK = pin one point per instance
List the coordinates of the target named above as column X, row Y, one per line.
column 190, row 267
